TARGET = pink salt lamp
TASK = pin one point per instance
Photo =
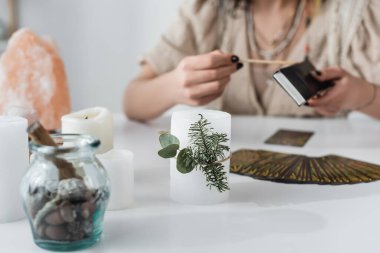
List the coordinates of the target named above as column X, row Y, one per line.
column 32, row 75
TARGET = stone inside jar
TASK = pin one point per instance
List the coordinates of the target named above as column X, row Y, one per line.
column 66, row 213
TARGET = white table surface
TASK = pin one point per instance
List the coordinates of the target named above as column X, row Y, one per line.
column 259, row 216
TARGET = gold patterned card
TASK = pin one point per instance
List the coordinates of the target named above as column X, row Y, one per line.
column 291, row 168
column 290, row 137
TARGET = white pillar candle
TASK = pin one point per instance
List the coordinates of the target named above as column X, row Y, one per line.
column 119, row 167
column 95, row 121
column 14, row 161
column 191, row 188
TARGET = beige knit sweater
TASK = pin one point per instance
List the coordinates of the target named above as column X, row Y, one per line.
column 345, row 33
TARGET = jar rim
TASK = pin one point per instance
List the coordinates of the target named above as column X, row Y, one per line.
column 79, row 142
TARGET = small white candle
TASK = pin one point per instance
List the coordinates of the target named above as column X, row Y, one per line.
column 191, row 188
column 14, row 161
column 95, row 121
column 119, row 167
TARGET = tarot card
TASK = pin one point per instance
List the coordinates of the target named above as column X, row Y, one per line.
column 290, row 138
column 353, row 171
column 301, row 169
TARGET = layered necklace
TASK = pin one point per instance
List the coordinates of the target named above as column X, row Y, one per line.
column 280, row 47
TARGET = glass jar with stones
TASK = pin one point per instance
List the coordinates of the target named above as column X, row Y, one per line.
column 65, row 193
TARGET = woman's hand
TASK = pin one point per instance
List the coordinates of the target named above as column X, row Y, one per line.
column 348, row 92
column 200, row 79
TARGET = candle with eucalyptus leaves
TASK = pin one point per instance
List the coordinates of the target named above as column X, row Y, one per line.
column 199, row 140
column 95, row 121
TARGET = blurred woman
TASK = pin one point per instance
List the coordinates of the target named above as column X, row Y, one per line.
column 197, row 61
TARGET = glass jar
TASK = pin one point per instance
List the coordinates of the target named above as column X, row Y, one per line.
column 65, row 193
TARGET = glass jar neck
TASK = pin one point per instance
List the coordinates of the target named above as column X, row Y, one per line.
column 68, row 146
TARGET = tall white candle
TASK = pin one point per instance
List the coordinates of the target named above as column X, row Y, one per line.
column 95, row 121
column 119, row 167
column 191, row 188
column 14, row 161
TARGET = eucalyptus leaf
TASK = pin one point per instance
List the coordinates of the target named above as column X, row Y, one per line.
column 169, row 151
column 167, row 139
column 185, row 161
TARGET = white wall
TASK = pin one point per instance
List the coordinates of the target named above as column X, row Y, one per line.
column 100, row 41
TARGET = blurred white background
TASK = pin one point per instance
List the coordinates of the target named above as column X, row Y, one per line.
column 100, row 41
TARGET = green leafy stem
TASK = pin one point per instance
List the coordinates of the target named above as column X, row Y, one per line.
column 205, row 152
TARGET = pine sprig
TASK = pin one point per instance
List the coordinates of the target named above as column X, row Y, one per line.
column 205, row 152
column 207, row 149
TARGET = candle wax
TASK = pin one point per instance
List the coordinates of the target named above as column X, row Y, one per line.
column 14, row 161
column 95, row 121
column 119, row 167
